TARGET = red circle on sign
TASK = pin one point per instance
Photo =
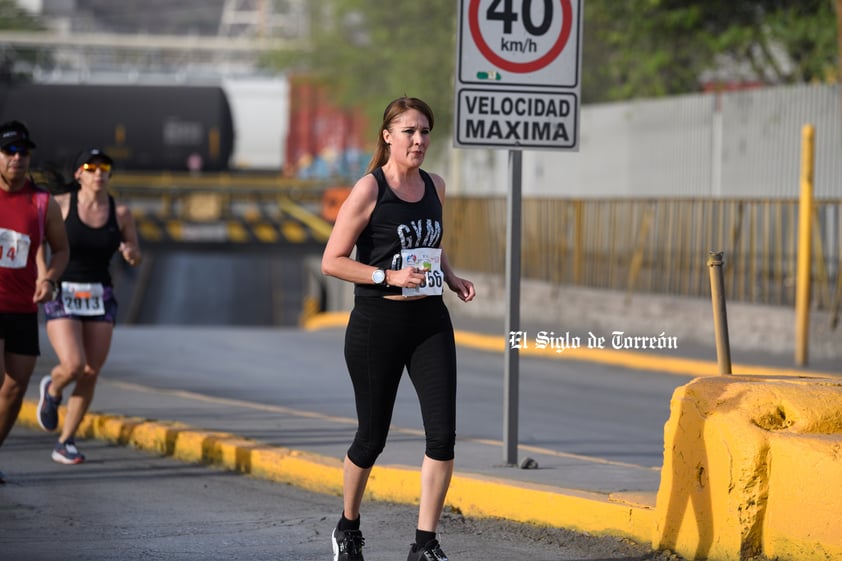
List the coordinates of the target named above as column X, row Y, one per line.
column 521, row 67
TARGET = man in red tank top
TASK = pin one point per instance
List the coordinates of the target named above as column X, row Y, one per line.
column 28, row 217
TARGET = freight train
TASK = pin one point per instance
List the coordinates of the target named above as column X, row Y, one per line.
column 258, row 125
column 142, row 128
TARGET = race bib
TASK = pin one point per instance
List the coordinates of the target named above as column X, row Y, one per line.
column 14, row 249
column 82, row 299
column 427, row 259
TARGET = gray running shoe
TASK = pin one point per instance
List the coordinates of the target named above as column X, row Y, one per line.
column 67, row 453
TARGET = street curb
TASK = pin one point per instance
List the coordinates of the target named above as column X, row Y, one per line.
column 472, row 495
column 638, row 360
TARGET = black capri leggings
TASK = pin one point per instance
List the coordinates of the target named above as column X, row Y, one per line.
column 384, row 336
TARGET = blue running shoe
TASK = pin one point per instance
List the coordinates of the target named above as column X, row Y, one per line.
column 47, row 406
column 67, row 453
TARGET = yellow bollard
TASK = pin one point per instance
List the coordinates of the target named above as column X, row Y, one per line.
column 805, row 244
column 720, row 318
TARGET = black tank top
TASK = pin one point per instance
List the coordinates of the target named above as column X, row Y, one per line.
column 91, row 249
column 395, row 225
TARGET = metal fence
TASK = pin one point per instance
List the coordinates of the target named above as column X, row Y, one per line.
column 654, row 245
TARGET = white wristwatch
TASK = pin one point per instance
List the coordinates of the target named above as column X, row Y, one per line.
column 378, row 276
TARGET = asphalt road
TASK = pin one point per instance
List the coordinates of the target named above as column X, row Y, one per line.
column 571, row 407
column 129, row 505
column 126, row 504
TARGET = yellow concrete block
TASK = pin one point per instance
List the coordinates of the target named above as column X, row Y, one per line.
column 106, row 427
column 726, row 462
column 804, row 518
column 192, row 446
column 154, row 437
column 234, row 453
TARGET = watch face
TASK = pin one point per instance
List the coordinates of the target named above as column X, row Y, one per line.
column 378, row 276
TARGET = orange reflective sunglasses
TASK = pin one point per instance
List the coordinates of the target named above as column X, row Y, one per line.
column 102, row 166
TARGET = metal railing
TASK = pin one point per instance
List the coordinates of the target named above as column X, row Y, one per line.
column 632, row 245
column 654, row 245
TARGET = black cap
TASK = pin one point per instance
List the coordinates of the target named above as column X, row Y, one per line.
column 15, row 132
column 90, row 155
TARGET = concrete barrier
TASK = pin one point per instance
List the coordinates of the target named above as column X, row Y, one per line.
column 752, row 466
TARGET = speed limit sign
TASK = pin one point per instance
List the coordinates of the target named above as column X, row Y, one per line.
column 517, row 80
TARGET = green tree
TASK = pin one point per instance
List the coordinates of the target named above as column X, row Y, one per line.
column 649, row 48
column 370, row 52
column 807, row 32
column 15, row 18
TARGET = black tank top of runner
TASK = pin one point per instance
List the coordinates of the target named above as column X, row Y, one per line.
column 91, row 249
column 396, row 224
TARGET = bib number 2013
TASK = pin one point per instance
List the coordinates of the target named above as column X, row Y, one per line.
column 82, row 299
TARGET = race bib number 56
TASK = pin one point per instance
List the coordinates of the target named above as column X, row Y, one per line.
column 428, row 260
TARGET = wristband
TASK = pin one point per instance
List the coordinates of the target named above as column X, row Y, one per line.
column 53, row 287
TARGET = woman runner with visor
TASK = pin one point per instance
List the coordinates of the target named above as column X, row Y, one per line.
column 81, row 320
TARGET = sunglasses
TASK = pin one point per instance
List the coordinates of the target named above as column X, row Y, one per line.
column 13, row 149
column 102, row 166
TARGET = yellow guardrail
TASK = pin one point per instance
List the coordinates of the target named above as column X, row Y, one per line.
column 655, row 245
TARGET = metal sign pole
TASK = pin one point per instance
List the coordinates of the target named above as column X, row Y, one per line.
column 517, row 87
column 511, row 373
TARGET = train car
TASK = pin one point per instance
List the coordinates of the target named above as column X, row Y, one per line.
column 260, row 109
column 142, row 127
column 325, row 141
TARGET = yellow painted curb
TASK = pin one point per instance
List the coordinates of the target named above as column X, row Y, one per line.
column 627, row 359
column 326, row 320
column 472, row 495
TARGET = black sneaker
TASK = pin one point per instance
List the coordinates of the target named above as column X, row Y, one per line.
column 47, row 406
column 67, row 453
column 347, row 545
column 430, row 552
